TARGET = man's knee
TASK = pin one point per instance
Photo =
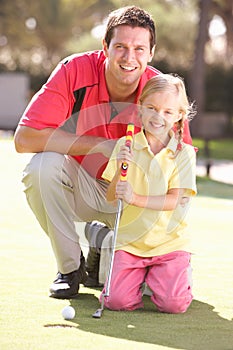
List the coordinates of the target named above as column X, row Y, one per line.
column 95, row 233
column 42, row 167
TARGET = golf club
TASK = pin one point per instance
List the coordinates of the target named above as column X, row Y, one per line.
column 99, row 311
column 124, row 168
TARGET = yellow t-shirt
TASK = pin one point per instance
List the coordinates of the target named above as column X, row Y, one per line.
column 146, row 232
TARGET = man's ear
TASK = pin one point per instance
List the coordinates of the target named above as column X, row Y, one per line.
column 152, row 53
column 105, row 48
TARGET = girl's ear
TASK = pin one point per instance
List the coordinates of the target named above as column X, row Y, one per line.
column 180, row 116
column 177, row 126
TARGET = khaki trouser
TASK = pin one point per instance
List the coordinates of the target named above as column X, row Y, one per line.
column 60, row 192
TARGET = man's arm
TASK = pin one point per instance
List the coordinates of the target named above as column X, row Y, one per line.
column 30, row 140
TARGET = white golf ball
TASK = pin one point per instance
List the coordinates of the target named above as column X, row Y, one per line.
column 68, row 312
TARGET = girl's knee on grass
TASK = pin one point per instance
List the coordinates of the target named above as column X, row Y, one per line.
column 118, row 301
column 172, row 305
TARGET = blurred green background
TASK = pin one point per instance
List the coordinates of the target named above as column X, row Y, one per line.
column 194, row 39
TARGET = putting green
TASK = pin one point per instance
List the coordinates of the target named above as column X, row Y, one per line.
column 31, row 320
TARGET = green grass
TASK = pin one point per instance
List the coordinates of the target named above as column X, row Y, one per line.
column 212, row 188
column 29, row 319
column 219, row 149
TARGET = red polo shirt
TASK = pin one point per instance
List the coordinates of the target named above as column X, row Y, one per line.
column 76, row 99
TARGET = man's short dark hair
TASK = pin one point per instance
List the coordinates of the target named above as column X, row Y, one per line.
column 132, row 16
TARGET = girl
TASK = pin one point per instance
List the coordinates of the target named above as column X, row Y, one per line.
column 153, row 244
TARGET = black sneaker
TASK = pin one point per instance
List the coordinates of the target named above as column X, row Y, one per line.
column 92, row 268
column 66, row 286
column 95, row 233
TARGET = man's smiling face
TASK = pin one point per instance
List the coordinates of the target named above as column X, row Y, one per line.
column 127, row 55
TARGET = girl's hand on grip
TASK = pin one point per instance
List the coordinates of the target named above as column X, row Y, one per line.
column 124, row 191
column 124, row 156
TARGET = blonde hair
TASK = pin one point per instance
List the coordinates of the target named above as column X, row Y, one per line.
column 171, row 82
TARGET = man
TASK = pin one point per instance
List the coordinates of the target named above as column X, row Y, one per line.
column 72, row 125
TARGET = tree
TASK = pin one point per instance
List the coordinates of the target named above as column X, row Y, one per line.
column 36, row 33
column 197, row 83
column 176, row 28
column 197, row 76
column 224, row 9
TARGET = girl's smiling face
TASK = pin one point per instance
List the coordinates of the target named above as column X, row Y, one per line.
column 159, row 112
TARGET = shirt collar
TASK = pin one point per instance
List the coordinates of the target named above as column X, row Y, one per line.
column 103, row 90
column 140, row 141
column 141, row 84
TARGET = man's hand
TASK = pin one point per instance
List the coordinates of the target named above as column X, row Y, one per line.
column 105, row 147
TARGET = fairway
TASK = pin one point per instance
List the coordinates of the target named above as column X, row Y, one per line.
column 29, row 319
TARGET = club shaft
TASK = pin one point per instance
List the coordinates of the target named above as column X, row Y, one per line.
column 117, row 220
column 123, row 177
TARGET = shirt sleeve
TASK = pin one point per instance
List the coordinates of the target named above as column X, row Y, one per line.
column 52, row 104
column 184, row 174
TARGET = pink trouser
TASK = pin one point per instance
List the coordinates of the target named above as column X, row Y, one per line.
column 168, row 276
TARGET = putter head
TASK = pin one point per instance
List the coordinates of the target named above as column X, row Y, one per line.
column 98, row 313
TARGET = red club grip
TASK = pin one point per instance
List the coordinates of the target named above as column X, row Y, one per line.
column 128, row 142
